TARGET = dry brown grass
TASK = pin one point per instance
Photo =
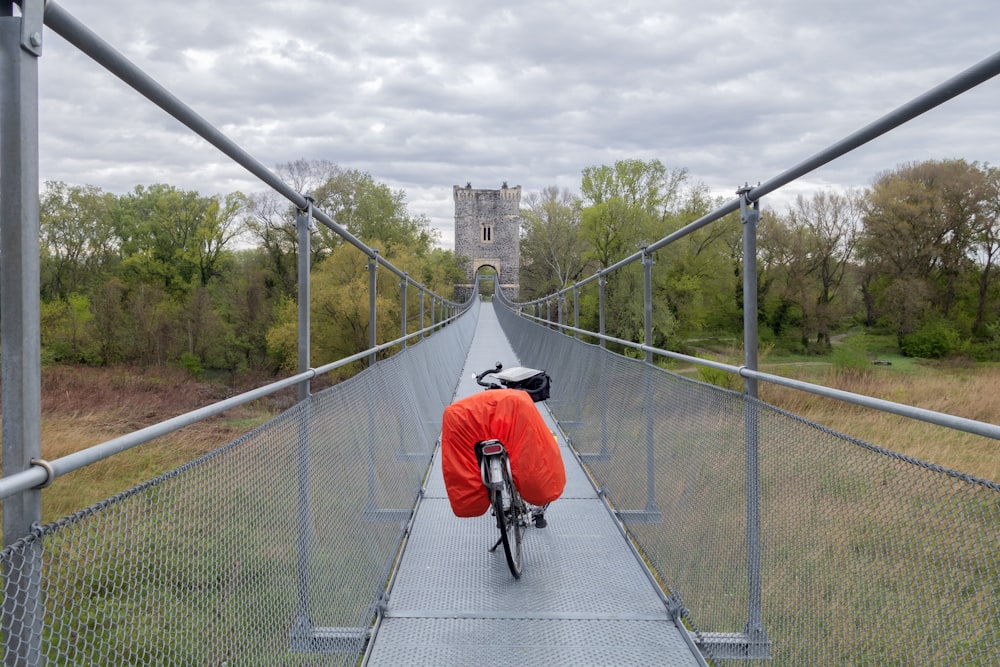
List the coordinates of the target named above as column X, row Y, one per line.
column 969, row 392
column 82, row 407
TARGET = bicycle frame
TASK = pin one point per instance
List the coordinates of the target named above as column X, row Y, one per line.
column 494, row 458
column 508, row 506
column 511, row 512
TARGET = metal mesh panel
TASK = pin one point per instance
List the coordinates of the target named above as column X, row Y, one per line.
column 867, row 557
column 274, row 549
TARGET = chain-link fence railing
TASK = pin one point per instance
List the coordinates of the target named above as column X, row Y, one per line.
column 274, row 549
column 866, row 556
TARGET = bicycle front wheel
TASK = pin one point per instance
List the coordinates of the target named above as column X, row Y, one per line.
column 505, row 506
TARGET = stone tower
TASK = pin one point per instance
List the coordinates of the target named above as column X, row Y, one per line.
column 488, row 233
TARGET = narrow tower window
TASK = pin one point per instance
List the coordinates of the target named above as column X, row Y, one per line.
column 487, row 233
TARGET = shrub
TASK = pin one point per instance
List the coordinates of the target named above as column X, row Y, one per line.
column 849, row 357
column 932, row 340
column 987, row 350
column 720, row 378
column 192, row 364
column 67, row 331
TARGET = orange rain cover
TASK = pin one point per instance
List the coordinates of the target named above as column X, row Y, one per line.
column 510, row 416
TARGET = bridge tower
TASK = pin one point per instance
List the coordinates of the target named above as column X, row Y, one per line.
column 488, row 233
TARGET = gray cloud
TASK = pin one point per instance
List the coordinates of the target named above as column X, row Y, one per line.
column 427, row 95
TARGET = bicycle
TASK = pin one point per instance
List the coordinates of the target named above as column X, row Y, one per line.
column 509, row 508
column 511, row 511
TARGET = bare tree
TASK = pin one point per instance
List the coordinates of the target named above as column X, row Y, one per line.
column 831, row 226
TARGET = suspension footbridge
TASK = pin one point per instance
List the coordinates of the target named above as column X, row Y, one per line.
column 699, row 525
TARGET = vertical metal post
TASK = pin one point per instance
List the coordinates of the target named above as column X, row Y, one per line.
column 647, row 316
column 423, row 324
column 20, row 321
column 647, row 302
column 560, row 300
column 601, row 284
column 603, row 454
column 604, row 406
column 402, row 285
column 303, row 622
column 652, row 510
column 372, row 338
column 303, row 224
column 576, row 311
column 749, row 216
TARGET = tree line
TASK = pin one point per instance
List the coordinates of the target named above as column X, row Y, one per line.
column 914, row 254
column 160, row 275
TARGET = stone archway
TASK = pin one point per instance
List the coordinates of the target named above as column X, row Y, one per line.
column 479, row 281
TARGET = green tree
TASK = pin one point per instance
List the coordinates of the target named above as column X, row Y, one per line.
column 176, row 239
column 986, row 243
column 340, row 275
column 439, row 270
column 204, row 331
column 920, row 225
column 79, row 247
column 552, row 248
column 339, row 312
column 248, row 304
column 782, row 275
column 625, row 206
column 150, row 333
column 221, row 226
column 693, row 277
column 272, row 229
column 369, row 210
column 67, row 330
column 109, row 317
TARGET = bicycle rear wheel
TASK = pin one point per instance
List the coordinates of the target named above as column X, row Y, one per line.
column 506, row 506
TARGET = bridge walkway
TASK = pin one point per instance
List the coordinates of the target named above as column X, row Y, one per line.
column 584, row 597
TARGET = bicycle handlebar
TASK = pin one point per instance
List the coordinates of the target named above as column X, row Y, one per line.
column 534, row 382
column 489, row 385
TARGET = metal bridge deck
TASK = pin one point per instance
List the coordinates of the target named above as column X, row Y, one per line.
column 583, row 599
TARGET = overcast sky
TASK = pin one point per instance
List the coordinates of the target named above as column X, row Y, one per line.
column 427, row 94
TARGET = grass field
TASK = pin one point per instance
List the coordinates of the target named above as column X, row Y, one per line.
column 957, row 387
column 970, row 394
column 809, row 551
column 854, row 542
column 84, row 406
column 206, row 566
